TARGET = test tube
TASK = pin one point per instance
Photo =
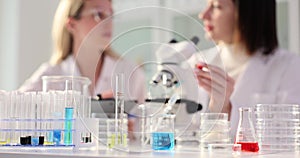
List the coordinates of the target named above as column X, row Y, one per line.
column 142, row 107
column 57, row 115
column 49, row 100
column 69, row 111
column 3, row 116
column 33, row 117
column 14, row 118
column 83, row 106
column 68, row 125
column 119, row 103
column 57, row 128
column 41, row 126
column 24, row 125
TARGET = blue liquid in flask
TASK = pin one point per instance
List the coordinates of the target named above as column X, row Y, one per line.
column 68, row 125
column 163, row 141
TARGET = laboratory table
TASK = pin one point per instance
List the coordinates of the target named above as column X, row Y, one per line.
column 186, row 153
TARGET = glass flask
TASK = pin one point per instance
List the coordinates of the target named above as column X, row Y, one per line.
column 163, row 132
column 245, row 134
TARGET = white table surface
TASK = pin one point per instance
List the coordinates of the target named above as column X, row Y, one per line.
column 185, row 153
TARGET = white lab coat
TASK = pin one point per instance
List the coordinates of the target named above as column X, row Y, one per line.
column 266, row 79
column 134, row 78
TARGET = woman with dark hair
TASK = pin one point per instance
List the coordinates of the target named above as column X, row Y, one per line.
column 253, row 70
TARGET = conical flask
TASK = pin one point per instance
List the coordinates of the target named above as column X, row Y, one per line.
column 245, row 134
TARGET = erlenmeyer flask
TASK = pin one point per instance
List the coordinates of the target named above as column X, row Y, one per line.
column 245, row 134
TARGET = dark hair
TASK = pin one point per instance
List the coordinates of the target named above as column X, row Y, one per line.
column 256, row 20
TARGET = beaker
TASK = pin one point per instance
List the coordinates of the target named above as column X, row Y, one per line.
column 163, row 132
column 245, row 134
column 76, row 91
column 62, row 83
column 214, row 129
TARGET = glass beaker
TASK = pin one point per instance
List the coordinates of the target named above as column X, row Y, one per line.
column 245, row 134
column 163, row 132
column 77, row 83
column 214, row 129
column 76, row 89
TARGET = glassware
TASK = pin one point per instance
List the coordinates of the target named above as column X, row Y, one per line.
column 71, row 100
column 116, row 140
column 14, row 113
column 226, row 147
column 214, row 129
column 277, row 126
column 142, row 108
column 3, row 115
column 57, row 128
column 59, row 83
column 76, row 91
column 119, row 104
column 68, row 138
column 245, row 132
column 163, row 132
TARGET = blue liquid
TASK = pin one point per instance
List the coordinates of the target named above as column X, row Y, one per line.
column 68, row 125
column 56, row 136
column 163, row 141
column 34, row 141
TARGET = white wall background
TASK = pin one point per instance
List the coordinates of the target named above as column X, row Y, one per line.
column 34, row 35
column 25, row 39
column 25, row 29
column 9, row 12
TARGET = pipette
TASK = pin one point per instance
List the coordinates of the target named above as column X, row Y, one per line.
column 171, row 102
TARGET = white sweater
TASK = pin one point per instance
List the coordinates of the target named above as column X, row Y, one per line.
column 274, row 78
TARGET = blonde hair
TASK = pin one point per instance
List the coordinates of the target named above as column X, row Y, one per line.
column 62, row 38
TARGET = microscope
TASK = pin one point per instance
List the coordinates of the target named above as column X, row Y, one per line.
column 170, row 57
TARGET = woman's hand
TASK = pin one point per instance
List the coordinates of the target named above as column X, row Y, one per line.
column 218, row 84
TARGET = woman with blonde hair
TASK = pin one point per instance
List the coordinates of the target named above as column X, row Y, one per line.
column 82, row 32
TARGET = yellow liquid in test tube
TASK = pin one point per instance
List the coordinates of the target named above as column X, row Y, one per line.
column 112, row 143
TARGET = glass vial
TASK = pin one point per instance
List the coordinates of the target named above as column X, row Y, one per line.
column 245, row 134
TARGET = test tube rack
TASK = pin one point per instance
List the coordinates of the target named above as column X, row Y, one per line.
column 42, row 119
